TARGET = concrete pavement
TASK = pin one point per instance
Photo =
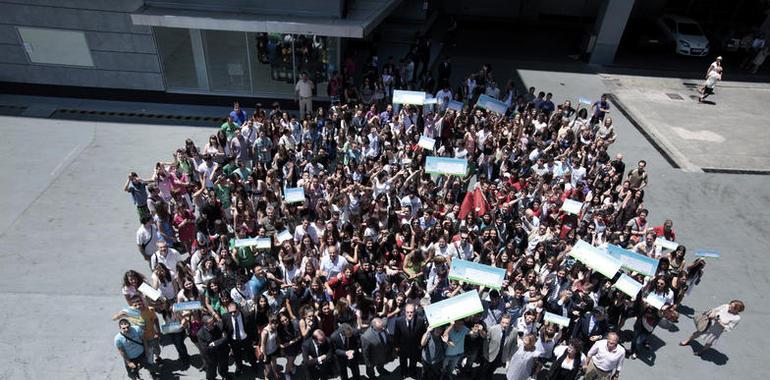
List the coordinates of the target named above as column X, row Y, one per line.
column 67, row 236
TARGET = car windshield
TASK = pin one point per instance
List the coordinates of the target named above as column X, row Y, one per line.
column 689, row 29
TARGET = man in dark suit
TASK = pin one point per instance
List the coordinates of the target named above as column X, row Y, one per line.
column 406, row 339
column 444, row 71
column 239, row 328
column 317, row 356
column 591, row 327
column 375, row 345
column 347, row 344
column 212, row 343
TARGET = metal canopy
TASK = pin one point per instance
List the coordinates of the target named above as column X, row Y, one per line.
column 362, row 18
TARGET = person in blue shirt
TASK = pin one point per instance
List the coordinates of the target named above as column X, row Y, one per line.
column 131, row 348
column 454, row 336
column 258, row 282
column 137, row 187
column 600, row 109
column 237, row 114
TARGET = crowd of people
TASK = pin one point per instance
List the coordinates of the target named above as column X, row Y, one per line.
column 351, row 267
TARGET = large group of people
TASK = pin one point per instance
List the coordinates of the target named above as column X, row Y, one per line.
column 350, row 268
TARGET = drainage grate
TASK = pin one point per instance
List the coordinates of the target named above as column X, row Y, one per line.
column 132, row 117
column 9, row 110
column 674, row 96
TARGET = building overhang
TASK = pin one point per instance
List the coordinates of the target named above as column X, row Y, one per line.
column 362, row 18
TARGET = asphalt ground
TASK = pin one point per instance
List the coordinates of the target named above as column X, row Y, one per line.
column 67, row 236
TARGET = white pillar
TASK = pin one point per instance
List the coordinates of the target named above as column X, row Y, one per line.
column 609, row 27
column 199, row 58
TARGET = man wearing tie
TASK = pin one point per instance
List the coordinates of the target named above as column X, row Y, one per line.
column 498, row 347
column 374, row 344
column 317, row 356
column 237, row 326
column 212, row 342
column 346, row 346
column 591, row 328
column 406, row 339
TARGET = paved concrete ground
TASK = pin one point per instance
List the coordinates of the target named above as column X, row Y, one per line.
column 66, row 237
column 728, row 132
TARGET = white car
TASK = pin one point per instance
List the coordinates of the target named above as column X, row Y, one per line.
column 685, row 34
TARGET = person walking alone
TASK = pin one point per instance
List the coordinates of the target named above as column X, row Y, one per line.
column 719, row 319
column 711, row 82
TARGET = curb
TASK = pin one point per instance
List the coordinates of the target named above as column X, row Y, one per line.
column 667, row 152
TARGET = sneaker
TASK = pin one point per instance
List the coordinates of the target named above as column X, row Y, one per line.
column 633, row 356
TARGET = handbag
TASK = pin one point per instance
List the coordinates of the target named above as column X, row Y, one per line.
column 702, row 321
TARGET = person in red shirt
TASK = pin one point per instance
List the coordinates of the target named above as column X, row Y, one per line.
column 338, row 285
column 666, row 231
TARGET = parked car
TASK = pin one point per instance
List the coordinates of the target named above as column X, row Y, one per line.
column 645, row 35
column 687, row 35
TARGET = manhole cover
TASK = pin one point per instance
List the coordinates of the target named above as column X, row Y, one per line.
column 673, row 96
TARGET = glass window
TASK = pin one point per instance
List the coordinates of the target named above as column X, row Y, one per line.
column 270, row 71
column 273, row 64
column 226, row 61
column 176, row 55
column 56, row 46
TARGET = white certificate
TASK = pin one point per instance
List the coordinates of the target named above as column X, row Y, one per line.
column 655, row 300
column 263, row 243
column 427, row 142
column 149, row 291
column 572, row 206
column 628, row 285
column 408, row 97
column 295, row 195
column 556, row 319
column 454, row 308
column 283, row 236
column 595, row 258
column 170, row 328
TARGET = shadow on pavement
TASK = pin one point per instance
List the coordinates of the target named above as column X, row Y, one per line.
column 647, row 355
column 686, row 310
column 711, row 355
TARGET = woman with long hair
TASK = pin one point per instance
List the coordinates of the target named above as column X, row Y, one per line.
column 720, row 319
column 268, row 344
column 289, row 340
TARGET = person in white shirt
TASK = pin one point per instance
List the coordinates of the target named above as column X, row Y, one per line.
column 605, row 359
column 713, row 66
column 167, row 256
column 306, row 228
column 206, row 169
column 492, row 90
column 332, row 263
column 147, row 238
column 249, row 132
column 287, row 140
column 461, row 249
column 444, row 95
column 721, row 318
column 710, row 84
column 304, row 90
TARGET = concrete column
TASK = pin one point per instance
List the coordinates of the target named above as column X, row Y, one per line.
column 610, row 24
column 199, row 59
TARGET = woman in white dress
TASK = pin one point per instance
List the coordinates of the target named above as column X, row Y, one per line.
column 722, row 318
column 523, row 361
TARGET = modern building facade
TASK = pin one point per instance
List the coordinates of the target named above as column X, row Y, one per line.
column 228, row 47
column 252, row 48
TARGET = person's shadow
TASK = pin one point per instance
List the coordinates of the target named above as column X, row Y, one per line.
column 686, row 310
column 709, row 102
column 647, row 355
column 710, row 355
